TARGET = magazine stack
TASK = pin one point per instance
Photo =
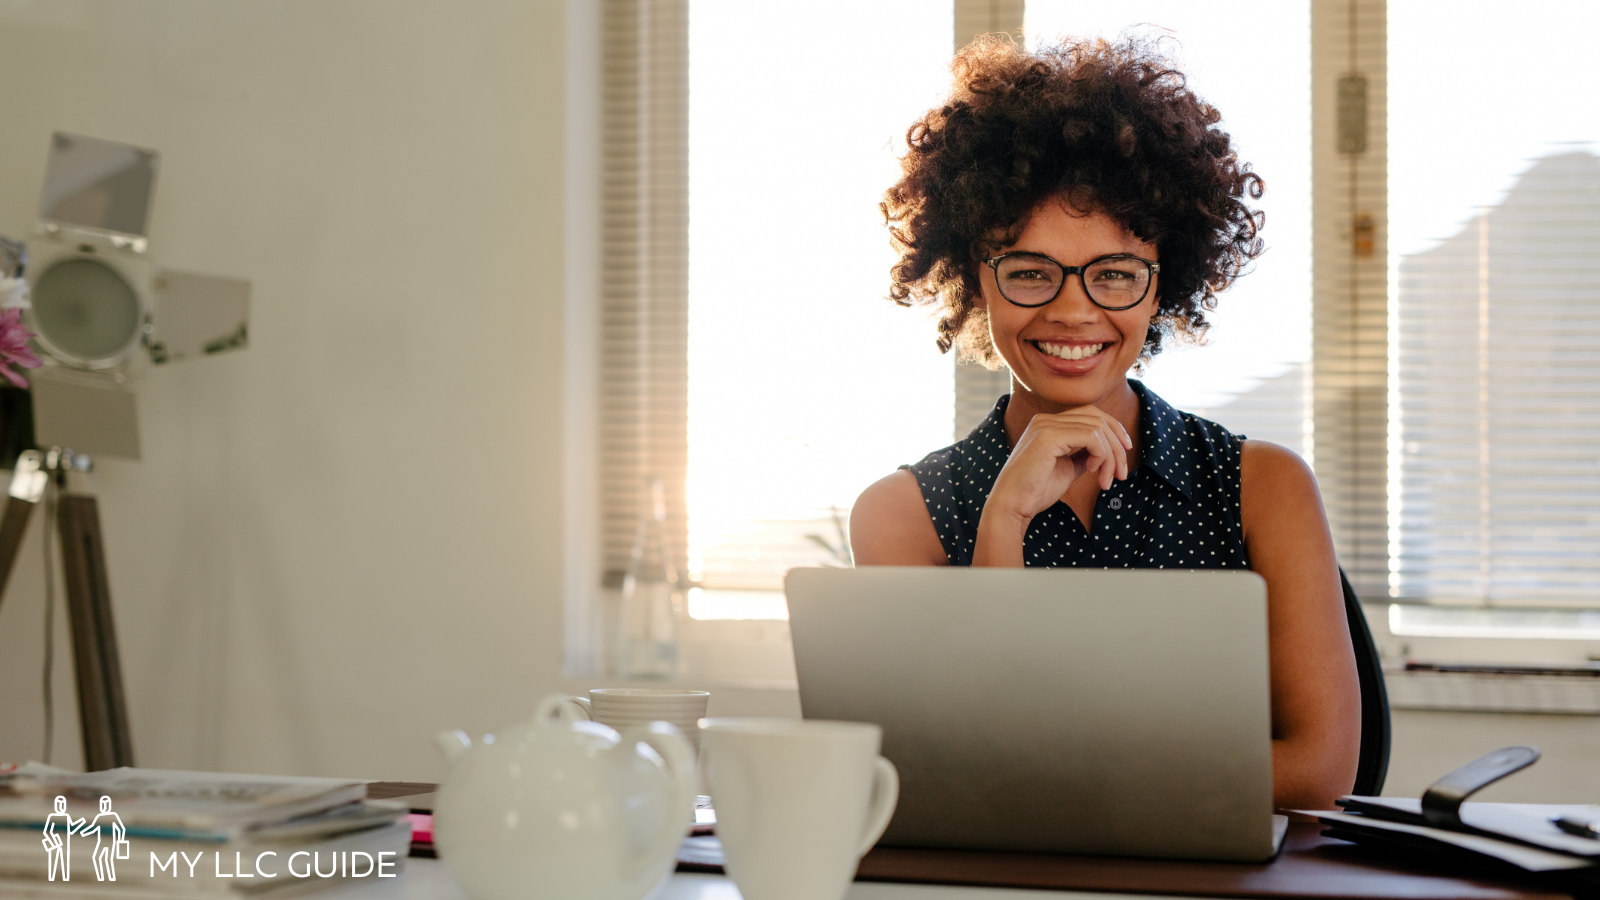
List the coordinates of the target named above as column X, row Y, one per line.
column 137, row 833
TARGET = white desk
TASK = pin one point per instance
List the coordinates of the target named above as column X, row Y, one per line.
column 426, row 879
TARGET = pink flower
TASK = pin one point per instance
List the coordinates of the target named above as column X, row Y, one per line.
column 14, row 349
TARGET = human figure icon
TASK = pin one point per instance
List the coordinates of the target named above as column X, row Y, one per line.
column 59, row 827
column 110, row 837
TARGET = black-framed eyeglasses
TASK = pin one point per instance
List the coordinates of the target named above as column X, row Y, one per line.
column 1115, row 281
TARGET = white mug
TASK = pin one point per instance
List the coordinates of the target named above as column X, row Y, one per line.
column 798, row 802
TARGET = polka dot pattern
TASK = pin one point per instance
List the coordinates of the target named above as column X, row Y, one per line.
column 1178, row 509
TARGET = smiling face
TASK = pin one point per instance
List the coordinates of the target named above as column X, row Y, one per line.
column 1070, row 352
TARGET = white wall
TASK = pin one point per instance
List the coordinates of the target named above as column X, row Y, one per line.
column 349, row 536
column 1429, row 743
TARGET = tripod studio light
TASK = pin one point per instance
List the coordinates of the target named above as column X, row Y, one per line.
column 100, row 313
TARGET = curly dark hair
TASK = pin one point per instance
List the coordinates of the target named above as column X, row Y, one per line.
column 1113, row 128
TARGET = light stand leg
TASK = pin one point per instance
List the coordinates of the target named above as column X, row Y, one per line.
column 13, row 525
column 28, row 482
column 102, row 706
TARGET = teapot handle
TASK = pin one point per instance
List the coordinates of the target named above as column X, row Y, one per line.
column 667, row 740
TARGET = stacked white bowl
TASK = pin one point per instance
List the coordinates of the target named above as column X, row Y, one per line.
column 623, row 708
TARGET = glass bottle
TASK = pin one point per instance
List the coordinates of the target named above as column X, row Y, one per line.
column 652, row 594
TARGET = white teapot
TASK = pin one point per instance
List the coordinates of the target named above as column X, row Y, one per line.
column 560, row 807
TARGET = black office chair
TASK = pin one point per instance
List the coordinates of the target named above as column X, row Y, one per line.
column 1374, row 763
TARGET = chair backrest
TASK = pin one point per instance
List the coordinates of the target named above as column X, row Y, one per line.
column 1374, row 762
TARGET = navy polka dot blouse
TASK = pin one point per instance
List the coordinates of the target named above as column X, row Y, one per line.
column 1178, row 509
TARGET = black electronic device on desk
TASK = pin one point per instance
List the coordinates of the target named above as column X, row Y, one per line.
column 1554, row 844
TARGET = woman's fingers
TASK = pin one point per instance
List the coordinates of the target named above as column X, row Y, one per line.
column 1057, row 449
column 1107, row 456
column 1110, row 465
column 1126, row 443
column 1097, row 437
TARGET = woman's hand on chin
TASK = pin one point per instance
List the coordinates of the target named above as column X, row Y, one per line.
column 1055, row 450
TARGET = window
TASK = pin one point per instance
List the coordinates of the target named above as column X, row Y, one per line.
column 1494, row 230
column 724, row 120
column 1420, row 327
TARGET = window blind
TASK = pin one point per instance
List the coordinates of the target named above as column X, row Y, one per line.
column 1500, row 398
column 977, row 388
column 1350, row 297
column 1495, row 492
column 644, row 272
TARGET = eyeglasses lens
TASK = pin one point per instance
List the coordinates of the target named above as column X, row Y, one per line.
column 1029, row 280
column 1117, row 283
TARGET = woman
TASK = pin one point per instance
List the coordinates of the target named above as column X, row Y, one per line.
column 1070, row 210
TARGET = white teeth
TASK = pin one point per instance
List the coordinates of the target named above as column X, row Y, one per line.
column 1070, row 351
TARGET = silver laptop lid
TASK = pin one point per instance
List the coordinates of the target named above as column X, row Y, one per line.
column 1116, row 712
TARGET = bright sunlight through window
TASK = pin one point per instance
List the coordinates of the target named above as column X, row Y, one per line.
column 805, row 383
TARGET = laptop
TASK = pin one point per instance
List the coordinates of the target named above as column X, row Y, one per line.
column 1114, row 712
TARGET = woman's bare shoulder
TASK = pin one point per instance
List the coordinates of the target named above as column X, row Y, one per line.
column 890, row 525
column 1282, row 513
column 1270, row 470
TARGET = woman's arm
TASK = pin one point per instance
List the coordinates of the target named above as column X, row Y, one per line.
column 1316, row 697
column 890, row 525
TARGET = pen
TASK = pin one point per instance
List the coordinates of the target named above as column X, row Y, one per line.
column 1575, row 824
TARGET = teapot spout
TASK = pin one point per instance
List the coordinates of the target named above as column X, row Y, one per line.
column 453, row 744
